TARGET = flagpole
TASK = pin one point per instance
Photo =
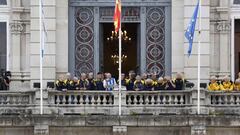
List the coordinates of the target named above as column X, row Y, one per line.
column 120, row 68
column 199, row 56
column 41, row 56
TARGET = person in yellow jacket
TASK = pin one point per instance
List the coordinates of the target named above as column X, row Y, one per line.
column 237, row 85
column 213, row 84
column 226, row 84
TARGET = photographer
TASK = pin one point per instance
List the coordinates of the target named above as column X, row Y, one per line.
column 5, row 80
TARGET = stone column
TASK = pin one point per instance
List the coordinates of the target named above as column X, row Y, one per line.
column 119, row 130
column 223, row 27
column 49, row 65
column 191, row 63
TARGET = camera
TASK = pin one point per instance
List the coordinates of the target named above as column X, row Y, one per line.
column 4, row 79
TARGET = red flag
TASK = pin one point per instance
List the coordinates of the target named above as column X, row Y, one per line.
column 117, row 15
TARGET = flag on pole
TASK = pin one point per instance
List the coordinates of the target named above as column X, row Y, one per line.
column 117, row 15
column 43, row 30
column 189, row 34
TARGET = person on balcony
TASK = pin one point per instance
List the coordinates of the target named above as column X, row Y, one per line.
column 109, row 83
column 98, row 82
column 144, row 77
column 138, row 84
column 130, row 80
column 237, row 85
column 154, row 78
column 123, row 78
column 74, row 84
column 226, row 84
column 67, row 81
column 161, row 85
column 84, row 84
column 179, row 81
column 60, row 83
column 213, row 84
column 169, row 83
column 91, row 85
column 149, row 86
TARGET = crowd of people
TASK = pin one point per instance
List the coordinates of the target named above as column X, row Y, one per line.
column 132, row 82
column 225, row 84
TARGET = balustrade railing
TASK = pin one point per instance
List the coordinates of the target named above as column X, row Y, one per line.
column 157, row 98
column 224, row 98
column 91, row 98
column 107, row 102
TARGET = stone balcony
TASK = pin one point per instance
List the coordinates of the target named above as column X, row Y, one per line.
column 107, row 103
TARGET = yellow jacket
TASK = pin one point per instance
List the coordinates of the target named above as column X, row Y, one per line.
column 228, row 86
column 213, row 86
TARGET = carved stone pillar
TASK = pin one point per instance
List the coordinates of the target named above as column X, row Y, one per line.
column 198, row 130
column 16, row 29
column 119, row 130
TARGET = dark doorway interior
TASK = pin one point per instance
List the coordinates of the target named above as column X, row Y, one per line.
column 3, row 45
column 130, row 48
column 237, row 46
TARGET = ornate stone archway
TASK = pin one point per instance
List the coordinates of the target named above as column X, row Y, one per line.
column 154, row 18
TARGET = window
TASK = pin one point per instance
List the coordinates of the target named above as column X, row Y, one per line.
column 236, row 2
column 3, row 45
column 3, row 2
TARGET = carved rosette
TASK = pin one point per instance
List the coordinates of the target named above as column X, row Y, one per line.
column 155, row 40
column 84, row 40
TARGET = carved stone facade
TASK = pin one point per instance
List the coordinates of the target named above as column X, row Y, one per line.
column 84, row 44
column 155, row 37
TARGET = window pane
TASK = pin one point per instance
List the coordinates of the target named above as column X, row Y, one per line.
column 3, row 2
column 236, row 2
column 3, row 45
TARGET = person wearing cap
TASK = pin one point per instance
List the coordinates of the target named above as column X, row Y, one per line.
column 213, row 84
column 161, row 85
column 138, row 84
column 226, row 84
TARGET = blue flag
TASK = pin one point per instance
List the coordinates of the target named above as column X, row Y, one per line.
column 189, row 34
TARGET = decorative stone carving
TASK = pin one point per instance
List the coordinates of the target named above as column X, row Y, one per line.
column 84, row 40
column 119, row 130
column 223, row 26
column 198, row 130
column 41, row 130
column 155, row 40
column 129, row 14
column 17, row 27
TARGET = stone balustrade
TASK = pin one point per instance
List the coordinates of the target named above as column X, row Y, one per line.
column 78, row 98
column 157, row 98
column 132, row 102
column 16, row 101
